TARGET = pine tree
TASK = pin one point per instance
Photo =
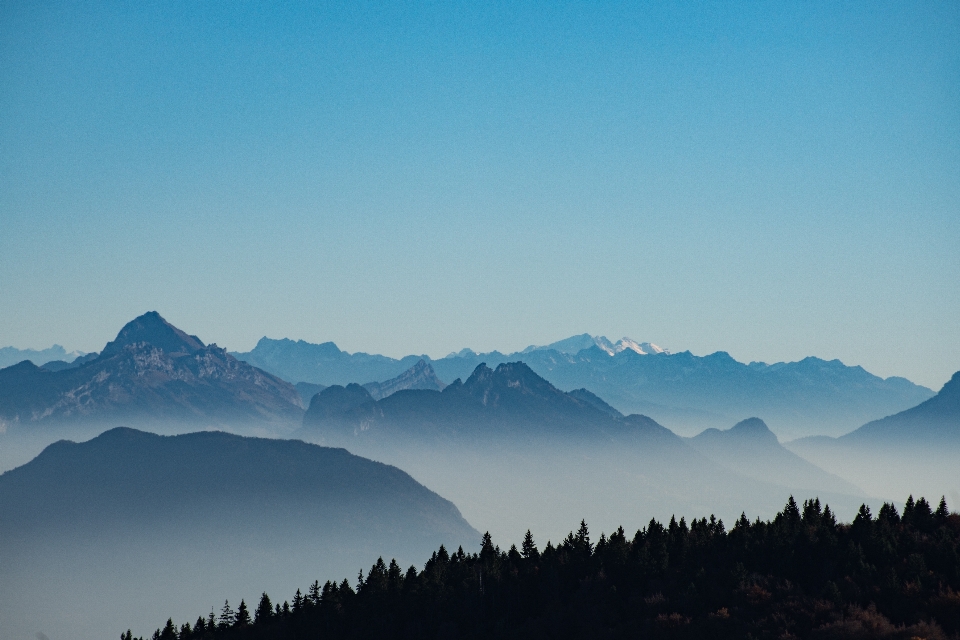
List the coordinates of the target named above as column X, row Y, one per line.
column 315, row 592
column 227, row 616
column 297, row 601
column 487, row 551
column 169, row 631
column 582, row 539
column 265, row 609
column 942, row 511
column 529, row 548
column 243, row 616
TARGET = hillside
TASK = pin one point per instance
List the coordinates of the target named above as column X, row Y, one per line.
column 201, row 514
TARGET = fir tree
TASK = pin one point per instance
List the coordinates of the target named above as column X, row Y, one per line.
column 264, row 611
column 227, row 616
column 242, row 616
column 529, row 548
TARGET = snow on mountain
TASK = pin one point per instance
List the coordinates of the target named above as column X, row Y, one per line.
column 576, row 344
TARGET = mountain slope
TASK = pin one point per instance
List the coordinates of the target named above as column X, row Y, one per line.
column 203, row 514
column 934, row 422
column 750, row 448
column 419, row 376
column 151, row 373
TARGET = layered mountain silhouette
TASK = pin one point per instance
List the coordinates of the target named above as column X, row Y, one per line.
column 419, row 376
column 690, row 393
column 914, row 451
column 935, row 422
column 151, row 373
column 750, row 448
column 11, row 355
column 510, row 402
column 202, row 514
column 511, row 449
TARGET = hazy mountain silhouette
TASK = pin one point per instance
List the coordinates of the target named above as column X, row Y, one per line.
column 750, row 448
column 324, row 364
column 510, row 449
column 509, row 402
column 914, row 451
column 419, row 376
column 201, row 514
column 687, row 392
column 151, row 373
column 935, row 422
column 11, row 355
column 307, row 390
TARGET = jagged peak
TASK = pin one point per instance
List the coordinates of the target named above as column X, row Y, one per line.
column 152, row 329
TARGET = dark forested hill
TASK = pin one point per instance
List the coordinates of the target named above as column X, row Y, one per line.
column 798, row 575
column 145, row 519
column 152, row 373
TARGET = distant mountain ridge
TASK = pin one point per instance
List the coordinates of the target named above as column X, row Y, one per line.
column 934, row 422
column 151, row 372
column 11, row 355
column 750, row 448
column 690, row 393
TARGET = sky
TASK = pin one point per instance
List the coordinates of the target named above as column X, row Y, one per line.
column 774, row 180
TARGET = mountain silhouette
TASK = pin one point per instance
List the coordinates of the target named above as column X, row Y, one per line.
column 152, row 373
column 511, row 401
column 690, row 393
column 419, row 376
column 200, row 514
column 750, row 448
column 934, row 422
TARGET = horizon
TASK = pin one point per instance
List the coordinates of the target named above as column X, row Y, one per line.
column 773, row 181
column 501, row 351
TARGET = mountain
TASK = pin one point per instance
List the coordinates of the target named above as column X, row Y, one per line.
column 511, row 401
column 202, row 514
column 325, row 364
column 576, row 344
column 512, row 451
column 419, row 376
column 307, row 390
column 750, row 448
column 933, row 423
column 151, row 373
column 690, row 393
column 914, row 451
column 11, row 355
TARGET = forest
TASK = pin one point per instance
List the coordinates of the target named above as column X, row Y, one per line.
column 800, row 575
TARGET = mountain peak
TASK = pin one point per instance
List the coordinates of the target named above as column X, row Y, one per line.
column 154, row 330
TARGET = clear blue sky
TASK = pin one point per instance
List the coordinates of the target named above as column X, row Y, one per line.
column 775, row 180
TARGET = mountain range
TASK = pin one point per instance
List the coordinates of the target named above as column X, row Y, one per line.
column 914, row 451
column 509, row 448
column 201, row 514
column 152, row 373
column 11, row 355
column 690, row 393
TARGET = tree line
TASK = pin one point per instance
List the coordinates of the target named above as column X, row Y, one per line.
column 799, row 575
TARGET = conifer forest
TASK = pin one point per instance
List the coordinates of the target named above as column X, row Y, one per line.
column 800, row 575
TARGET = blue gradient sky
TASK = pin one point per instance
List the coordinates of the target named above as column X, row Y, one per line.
column 775, row 180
